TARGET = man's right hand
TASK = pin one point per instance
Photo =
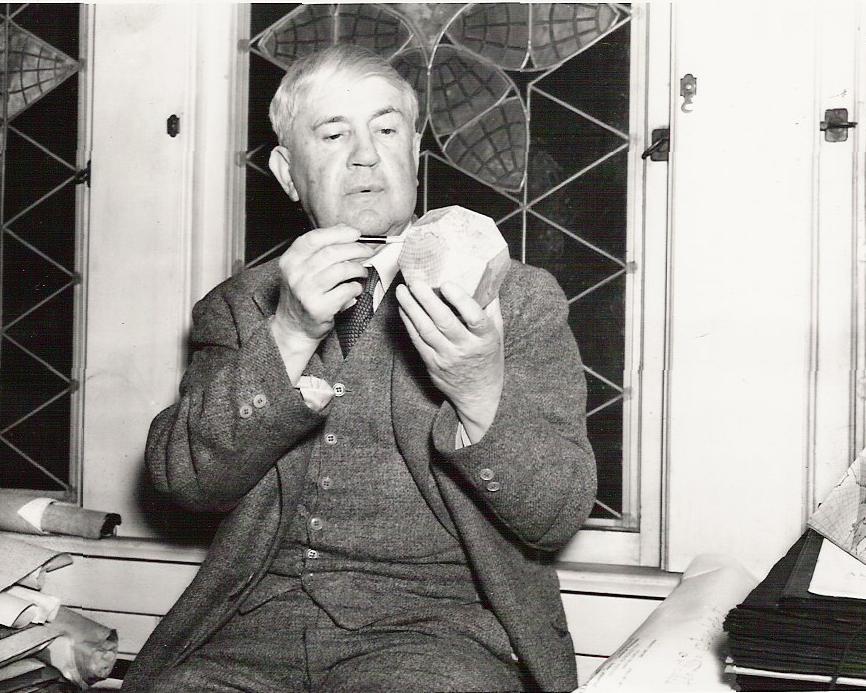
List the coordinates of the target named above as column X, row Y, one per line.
column 316, row 274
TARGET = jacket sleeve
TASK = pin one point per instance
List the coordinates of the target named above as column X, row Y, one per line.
column 236, row 416
column 534, row 471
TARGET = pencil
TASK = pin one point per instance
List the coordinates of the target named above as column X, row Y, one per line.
column 380, row 239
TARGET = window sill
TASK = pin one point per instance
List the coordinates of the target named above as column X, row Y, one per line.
column 117, row 547
column 628, row 581
column 573, row 577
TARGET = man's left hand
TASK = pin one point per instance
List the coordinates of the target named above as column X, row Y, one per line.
column 461, row 345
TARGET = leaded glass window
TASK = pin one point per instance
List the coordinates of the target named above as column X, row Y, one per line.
column 39, row 169
column 525, row 118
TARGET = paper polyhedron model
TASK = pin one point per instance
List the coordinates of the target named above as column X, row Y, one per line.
column 458, row 245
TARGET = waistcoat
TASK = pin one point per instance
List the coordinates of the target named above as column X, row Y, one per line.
column 363, row 542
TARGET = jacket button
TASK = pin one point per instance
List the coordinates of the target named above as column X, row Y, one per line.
column 494, row 486
column 246, row 411
column 339, row 389
column 316, row 523
column 486, row 474
column 330, row 438
column 326, row 482
column 259, row 401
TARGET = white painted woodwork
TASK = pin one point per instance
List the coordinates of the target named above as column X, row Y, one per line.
column 837, row 233
column 742, row 382
column 160, row 220
column 138, row 262
column 586, row 666
column 600, row 624
column 107, row 584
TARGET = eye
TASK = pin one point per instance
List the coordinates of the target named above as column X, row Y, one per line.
column 333, row 136
column 388, row 131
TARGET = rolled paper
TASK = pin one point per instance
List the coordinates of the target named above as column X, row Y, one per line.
column 679, row 646
column 20, row 512
column 16, row 644
column 63, row 518
column 46, row 604
column 457, row 245
column 34, row 580
column 84, row 651
column 16, row 612
column 22, row 559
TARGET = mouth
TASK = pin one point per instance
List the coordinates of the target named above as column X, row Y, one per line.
column 365, row 189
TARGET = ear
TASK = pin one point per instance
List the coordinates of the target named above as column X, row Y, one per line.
column 281, row 166
column 416, row 150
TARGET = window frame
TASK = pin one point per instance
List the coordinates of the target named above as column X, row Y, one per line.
column 636, row 539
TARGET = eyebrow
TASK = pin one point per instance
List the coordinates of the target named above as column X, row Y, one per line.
column 342, row 119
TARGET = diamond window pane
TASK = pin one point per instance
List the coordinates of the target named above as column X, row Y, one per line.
column 593, row 205
column 39, row 47
column 526, row 121
column 596, row 81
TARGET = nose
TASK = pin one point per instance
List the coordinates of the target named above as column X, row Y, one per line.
column 364, row 152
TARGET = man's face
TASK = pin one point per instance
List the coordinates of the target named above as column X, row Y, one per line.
column 353, row 155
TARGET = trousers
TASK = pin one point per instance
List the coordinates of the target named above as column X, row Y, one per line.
column 287, row 642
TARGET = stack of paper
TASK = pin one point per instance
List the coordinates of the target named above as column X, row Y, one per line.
column 41, row 641
column 797, row 630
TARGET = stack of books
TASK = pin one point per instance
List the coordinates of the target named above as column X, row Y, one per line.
column 786, row 637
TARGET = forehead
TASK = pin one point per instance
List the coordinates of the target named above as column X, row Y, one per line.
column 343, row 96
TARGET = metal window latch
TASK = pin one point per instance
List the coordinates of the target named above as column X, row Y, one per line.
column 835, row 125
column 688, row 90
column 660, row 147
column 172, row 125
column 82, row 176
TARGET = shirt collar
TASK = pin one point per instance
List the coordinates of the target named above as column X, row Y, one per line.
column 385, row 261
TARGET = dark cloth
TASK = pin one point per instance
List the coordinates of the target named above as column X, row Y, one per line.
column 240, row 437
column 443, row 648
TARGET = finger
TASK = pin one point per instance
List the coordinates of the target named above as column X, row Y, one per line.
column 438, row 311
column 424, row 326
column 341, row 297
column 469, row 310
column 328, row 277
column 337, row 252
column 318, row 238
column 423, row 348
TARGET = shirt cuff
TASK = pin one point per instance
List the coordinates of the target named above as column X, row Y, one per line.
column 315, row 392
column 461, row 440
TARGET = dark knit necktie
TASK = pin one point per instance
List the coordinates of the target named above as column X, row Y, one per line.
column 352, row 322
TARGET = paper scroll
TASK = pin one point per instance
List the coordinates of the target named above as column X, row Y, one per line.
column 25, row 514
column 458, row 245
column 25, row 563
column 678, row 647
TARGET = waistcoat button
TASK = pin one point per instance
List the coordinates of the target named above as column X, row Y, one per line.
column 326, row 482
column 316, row 523
column 339, row 389
column 330, row 438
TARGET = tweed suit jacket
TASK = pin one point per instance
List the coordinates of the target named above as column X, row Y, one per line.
column 238, row 441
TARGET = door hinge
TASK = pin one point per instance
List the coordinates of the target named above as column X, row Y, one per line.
column 835, row 125
column 660, row 145
column 83, row 176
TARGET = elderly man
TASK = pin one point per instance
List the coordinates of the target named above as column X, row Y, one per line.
column 397, row 465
